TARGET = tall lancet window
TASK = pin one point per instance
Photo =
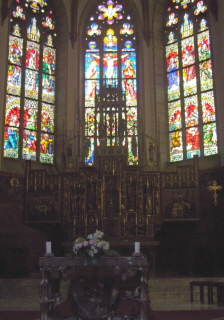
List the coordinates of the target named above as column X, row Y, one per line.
column 190, row 95
column 30, row 98
column 110, row 82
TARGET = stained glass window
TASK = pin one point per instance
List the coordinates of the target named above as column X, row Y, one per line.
column 190, row 96
column 111, row 82
column 30, row 99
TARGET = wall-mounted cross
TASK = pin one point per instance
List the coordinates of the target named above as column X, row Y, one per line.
column 214, row 187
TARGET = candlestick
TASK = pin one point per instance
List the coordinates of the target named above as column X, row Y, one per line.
column 137, row 252
column 48, row 247
column 137, row 247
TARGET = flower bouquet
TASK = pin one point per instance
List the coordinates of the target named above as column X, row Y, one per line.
column 93, row 247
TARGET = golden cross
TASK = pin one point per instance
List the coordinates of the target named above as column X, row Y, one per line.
column 214, row 187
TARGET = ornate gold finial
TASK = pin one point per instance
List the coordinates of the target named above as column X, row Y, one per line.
column 214, row 187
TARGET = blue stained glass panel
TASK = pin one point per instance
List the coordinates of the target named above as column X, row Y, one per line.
column 92, row 66
column 14, row 80
column 173, row 85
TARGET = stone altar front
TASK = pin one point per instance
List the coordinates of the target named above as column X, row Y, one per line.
column 54, row 269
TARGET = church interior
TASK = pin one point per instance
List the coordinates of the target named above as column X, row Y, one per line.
column 112, row 120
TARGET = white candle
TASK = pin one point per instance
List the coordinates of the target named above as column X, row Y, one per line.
column 48, row 247
column 137, row 247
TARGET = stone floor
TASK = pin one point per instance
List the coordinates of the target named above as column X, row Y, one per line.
column 166, row 293
column 173, row 293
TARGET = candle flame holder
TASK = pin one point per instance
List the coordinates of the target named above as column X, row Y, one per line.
column 49, row 255
column 137, row 254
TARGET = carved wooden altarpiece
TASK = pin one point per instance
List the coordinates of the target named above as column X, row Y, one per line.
column 121, row 200
column 42, row 196
column 180, row 193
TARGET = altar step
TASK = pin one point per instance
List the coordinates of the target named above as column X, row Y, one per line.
column 167, row 293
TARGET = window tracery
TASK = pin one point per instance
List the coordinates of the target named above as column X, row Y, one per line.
column 111, row 82
column 30, row 98
column 190, row 92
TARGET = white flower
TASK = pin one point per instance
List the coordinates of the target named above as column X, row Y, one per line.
column 91, row 253
column 91, row 246
column 98, row 234
column 76, row 246
column 105, row 245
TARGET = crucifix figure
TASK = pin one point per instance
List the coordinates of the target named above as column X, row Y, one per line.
column 214, row 187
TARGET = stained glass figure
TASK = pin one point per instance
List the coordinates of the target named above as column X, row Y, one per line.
column 191, row 111
column 48, row 88
column 172, row 59
column 187, row 51
column 204, row 50
column 31, row 84
column 32, row 55
column 173, row 83
column 47, row 118
column 14, row 80
column 192, row 142
column 46, row 148
column 110, row 41
column 29, row 144
column 206, row 77
column 189, row 80
column 15, row 50
column 210, row 139
column 49, row 60
column 12, row 123
column 208, row 107
column 176, row 146
column 175, row 115
column 30, row 114
column 191, row 103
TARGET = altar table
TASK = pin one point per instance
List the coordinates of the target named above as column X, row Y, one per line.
column 54, row 269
